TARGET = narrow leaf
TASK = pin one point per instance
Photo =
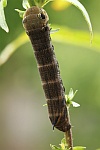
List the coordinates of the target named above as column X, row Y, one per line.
column 75, row 104
column 21, row 13
column 25, row 4
column 53, row 147
column 3, row 23
column 64, row 36
column 12, row 47
column 71, row 94
column 45, row 105
column 54, row 30
column 76, row 37
column 84, row 12
column 79, row 148
column 41, row 3
column 4, row 3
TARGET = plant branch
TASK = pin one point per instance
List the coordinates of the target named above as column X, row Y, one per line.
column 68, row 135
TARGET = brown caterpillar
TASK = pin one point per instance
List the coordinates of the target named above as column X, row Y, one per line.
column 35, row 22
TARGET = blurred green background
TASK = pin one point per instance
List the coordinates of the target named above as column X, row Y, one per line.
column 24, row 122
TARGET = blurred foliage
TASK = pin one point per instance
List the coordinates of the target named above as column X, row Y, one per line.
column 63, row 146
column 23, row 120
column 60, row 5
column 65, row 35
column 3, row 24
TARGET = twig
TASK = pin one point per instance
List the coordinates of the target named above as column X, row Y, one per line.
column 68, row 135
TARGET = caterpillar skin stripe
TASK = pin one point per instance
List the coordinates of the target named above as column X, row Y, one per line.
column 35, row 22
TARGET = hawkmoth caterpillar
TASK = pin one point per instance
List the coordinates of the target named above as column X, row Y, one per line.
column 35, row 22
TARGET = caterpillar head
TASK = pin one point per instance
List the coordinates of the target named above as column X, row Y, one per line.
column 34, row 18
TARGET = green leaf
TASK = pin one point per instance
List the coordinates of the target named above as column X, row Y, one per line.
column 12, row 47
column 41, row 3
column 63, row 144
column 76, row 37
column 79, row 148
column 53, row 147
column 3, row 23
column 45, row 105
column 54, row 30
column 25, row 4
column 72, row 94
column 64, row 36
column 63, row 141
column 75, row 104
column 21, row 13
column 69, row 98
column 4, row 3
column 84, row 12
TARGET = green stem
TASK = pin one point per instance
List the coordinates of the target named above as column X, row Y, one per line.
column 68, row 135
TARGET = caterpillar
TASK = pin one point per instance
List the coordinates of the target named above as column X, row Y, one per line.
column 35, row 22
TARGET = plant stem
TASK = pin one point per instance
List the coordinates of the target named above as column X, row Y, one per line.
column 68, row 135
